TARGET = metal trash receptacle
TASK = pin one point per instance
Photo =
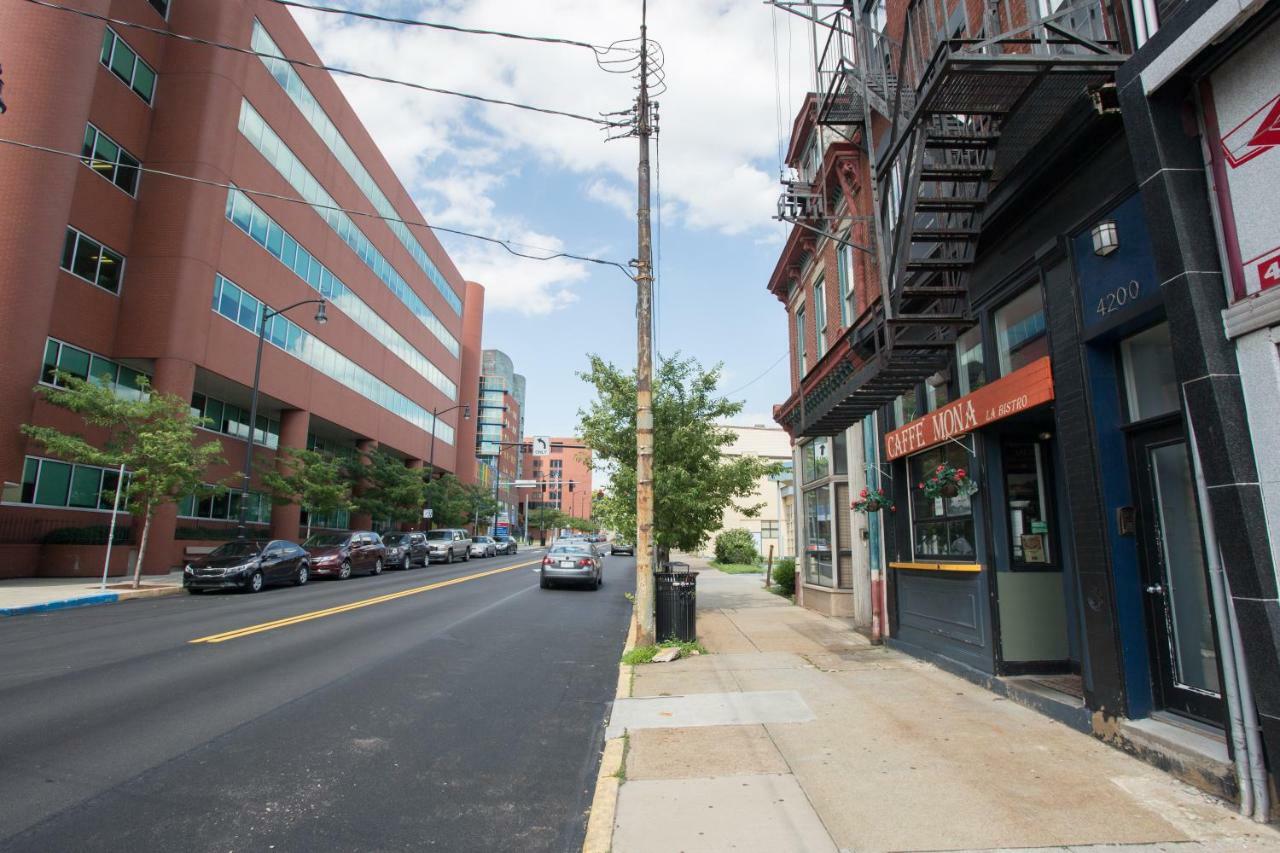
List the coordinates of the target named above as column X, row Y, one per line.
column 676, row 603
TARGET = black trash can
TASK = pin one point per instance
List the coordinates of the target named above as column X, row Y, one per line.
column 676, row 599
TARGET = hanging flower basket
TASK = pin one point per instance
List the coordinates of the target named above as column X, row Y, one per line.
column 869, row 502
column 948, row 481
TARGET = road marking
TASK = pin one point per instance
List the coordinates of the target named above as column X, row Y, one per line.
column 355, row 605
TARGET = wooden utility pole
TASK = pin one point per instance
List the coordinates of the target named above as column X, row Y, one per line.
column 644, row 353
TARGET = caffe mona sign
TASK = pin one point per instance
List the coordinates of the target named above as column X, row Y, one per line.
column 1023, row 389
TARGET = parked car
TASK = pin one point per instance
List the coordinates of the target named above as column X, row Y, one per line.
column 621, row 546
column 578, row 562
column 448, row 544
column 248, row 564
column 506, row 544
column 342, row 554
column 405, row 549
column 483, row 546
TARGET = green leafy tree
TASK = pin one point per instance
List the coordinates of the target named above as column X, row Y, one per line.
column 481, row 504
column 154, row 436
column 389, row 491
column 545, row 518
column 319, row 482
column 695, row 476
column 450, row 501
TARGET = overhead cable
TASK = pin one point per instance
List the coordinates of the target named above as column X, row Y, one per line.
column 319, row 66
column 508, row 245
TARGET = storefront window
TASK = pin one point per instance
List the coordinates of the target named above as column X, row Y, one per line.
column 972, row 372
column 1027, row 504
column 817, row 522
column 1020, row 331
column 816, row 459
column 905, row 409
column 840, row 453
column 1150, row 384
column 941, row 527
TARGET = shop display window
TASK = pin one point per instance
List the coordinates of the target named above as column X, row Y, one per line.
column 1027, row 505
column 941, row 528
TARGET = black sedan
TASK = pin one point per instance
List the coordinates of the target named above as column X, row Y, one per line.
column 248, row 564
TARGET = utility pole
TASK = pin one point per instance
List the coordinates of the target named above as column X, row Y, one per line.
column 644, row 606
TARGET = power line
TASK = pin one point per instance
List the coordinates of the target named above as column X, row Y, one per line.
column 505, row 244
column 414, row 22
column 767, row 371
column 322, row 67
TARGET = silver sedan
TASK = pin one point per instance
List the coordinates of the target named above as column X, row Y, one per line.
column 483, row 546
column 579, row 563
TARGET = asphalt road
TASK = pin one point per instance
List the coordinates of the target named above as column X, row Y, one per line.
column 467, row 716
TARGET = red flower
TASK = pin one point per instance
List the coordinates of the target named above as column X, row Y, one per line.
column 863, row 493
column 919, row 485
column 880, row 492
column 939, row 468
column 960, row 472
column 893, row 507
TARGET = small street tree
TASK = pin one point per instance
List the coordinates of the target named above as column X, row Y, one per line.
column 695, row 476
column 545, row 518
column 319, row 482
column 154, row 436
column 481, row 503
column 449, row 500
column 390, row 491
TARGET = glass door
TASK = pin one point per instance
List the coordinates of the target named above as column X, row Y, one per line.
column 1175, row 577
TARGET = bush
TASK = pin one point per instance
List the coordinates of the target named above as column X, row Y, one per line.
column 86, row 535
column 784, row 575
column 736, row 546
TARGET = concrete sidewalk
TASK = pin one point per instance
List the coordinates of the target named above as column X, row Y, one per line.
column 796, row 734
column 37, row 595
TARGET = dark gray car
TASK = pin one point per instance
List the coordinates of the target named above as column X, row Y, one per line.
column 578, row 563
column 405, row 550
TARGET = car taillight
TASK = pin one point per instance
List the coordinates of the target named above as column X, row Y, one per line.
column 546, row 561
column 585, row 561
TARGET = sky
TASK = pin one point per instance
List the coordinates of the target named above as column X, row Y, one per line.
column 555, row 183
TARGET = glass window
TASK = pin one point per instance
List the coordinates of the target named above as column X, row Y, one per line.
column 941, row 527
column 74, row 361
column 107, row 495
column 815, row 460
column 54, row 480
column 971, row 370
column 30, row 473
column 107, row 158
column 1151, row 387
column 840, row 453
column 844, row 266
column 817, row 520
column 1026, row 494
column 101, row 371
column 937, row 392
column 51, row 348
column 906, row 409
column 91, row 261
column 86, row 483
column 802, row 360
column 820, row 314
column 1020, row 331
column 161, row 6
column 125, row 64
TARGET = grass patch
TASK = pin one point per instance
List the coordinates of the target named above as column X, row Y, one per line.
column 644, row 654
column 621, row 772
column 738, row 568
column 778, row 591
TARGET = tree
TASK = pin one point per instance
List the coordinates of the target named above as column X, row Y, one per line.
column 481, row 503
column 695, row 478
column 391, row 491
column 154, row 436
column 545, row 518
column 450, row 501
column 320, row 482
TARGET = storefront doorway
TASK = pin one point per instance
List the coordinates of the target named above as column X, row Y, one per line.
column 1174, row 576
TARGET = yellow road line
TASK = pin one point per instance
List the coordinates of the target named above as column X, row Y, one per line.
column 355, row 605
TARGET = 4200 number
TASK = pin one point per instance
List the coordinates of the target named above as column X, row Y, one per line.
column 1116, row 299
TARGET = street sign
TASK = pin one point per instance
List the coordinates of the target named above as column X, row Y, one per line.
column 525, row 484
column 541, row 445
column 428, row 513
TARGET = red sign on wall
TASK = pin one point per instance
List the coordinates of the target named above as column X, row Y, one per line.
column 1023, row 389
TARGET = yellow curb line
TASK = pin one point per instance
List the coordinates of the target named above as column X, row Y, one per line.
column 127, row 594
column 604, row 803
column 355, row 605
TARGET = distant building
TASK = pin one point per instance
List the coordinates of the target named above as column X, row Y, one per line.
column 770, row 527
column 562, row 479
column 499, row 428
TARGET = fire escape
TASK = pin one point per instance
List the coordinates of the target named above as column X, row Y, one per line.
column 961, row 113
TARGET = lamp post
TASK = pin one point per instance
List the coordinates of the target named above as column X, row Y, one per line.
column 267, row 314
column 435, row 417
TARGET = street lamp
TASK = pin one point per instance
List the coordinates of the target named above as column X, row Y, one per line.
column 435, row 415
column 267, row 314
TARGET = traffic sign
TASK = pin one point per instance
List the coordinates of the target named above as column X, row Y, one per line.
column 541, row 445
column 525, row 484
column 428, row 513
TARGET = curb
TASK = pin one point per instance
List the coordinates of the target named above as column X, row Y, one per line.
column 88, row 600
column 604, row 803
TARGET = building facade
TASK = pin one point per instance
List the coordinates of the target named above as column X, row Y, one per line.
column 767, row 528
column 500, row 431
column 562, row 478
column 110, row 271
column 1048, row 316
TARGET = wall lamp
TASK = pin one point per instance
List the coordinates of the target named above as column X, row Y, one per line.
column 1106, row 239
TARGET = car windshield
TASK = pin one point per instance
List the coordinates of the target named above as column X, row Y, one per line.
column 236, row 549
column 324, row 540
column 482, row 540
column 438, row 535
column 395, row 538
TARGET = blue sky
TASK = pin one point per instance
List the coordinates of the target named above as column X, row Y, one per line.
column 552, row 182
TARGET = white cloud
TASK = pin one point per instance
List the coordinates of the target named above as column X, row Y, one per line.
column 719, row 129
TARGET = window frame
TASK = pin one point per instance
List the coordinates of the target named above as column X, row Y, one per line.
column 802, row 357
column 820, row 314
column 102, row 505
column 1004, row 358
column 168, row 4
column 107, row 59
column 102, row 247
column 90, row 157
column 946, row 517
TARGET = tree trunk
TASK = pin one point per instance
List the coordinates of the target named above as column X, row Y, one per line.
column 142, row 548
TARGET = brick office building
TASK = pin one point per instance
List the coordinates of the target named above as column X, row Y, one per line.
column 500, row 428
column 563, row 478
column 106, row 270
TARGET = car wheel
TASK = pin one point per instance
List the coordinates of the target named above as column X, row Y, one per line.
column 543, row 582
column 448, row 557
column 377, row 567
column 466, row 558
column 255, row 582
column 303, row 575
column 344, row 571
